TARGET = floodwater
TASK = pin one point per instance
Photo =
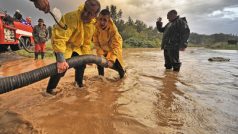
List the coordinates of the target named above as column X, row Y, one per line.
column 201, row 99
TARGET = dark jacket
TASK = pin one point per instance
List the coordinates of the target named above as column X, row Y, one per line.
column 176, row 33
column 40, row 34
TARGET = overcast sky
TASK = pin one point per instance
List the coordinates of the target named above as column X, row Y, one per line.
column 204, row 16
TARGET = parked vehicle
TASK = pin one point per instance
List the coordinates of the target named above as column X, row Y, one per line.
column 11, row 31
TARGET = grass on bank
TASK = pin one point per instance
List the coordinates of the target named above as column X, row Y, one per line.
column 223, row 45
column 219, row 45
column 48, row 54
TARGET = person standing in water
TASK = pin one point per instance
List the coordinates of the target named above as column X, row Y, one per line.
column 176, row 33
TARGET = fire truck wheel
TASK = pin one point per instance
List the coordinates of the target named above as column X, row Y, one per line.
column 14, row 47
column 3, row 48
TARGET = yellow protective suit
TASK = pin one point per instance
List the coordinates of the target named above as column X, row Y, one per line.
column 108, row 41
column 78, row 36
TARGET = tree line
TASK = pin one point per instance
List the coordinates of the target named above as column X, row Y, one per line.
column 135, row 33
column 201, row 39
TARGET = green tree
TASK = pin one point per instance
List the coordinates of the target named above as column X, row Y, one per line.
column 140, row 25
column 134, row 34
column 114, row 14
column 130, row 21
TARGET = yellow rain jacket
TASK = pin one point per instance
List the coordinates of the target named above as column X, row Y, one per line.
column 78, row 36
column 109, row 42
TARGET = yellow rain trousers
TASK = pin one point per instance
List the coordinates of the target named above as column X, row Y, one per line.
column 108, row 41
column 78, row 36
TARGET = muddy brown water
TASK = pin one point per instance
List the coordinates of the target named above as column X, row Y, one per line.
column 201, row 99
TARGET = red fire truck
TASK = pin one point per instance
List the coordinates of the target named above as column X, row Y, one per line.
column 11, row 31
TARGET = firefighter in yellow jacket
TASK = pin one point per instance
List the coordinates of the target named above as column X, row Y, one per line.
column 74, row 41
column 108, row 43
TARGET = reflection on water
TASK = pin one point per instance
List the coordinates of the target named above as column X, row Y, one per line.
column 169, row 89
column 167, row 104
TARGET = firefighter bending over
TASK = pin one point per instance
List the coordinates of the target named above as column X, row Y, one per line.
column 74, row 41
column 108, row 43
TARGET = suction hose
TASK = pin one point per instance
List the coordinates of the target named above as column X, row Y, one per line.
column 24, row 45
column 13, row 82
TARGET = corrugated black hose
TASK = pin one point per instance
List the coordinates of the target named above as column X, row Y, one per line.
column 13, row 82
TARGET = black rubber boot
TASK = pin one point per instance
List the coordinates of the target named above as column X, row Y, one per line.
column 100, row 70
column 36, row 55
column 176, row 69
column 168, row 68
column 42, row 55
column 79, row 72
column 53, row 82
column 117, row 66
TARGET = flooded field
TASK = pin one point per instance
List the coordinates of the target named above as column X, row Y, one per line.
column 201, row 99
